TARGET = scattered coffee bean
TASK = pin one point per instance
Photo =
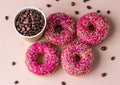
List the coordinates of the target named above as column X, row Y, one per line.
column 103, row 48
column 63, row 83
column 108, row 12
column 57, row 0
column 104, row 74
column 6, row 17
column 76, row 12
column 98, row 11
column 89, row 7
column 85, row 1
column 48, row 5
column 72, row 3
column 13, row 63
column 16, row 82
column 29, row 22
column 112, row 58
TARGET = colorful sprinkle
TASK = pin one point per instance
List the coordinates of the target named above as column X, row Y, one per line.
column 52, row 58
column 73, row 66
column 98, row 22
column 59, row 21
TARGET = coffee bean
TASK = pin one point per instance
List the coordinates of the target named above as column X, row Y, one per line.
column 57, row 0
column 32, row 18
column 18, row 19
column 104, row 74
column 22, row 19
column 25, row 22
column 28, row 28
column 72, row 3
column 103, row 48
column 23, row 29
column 112, row 58
column 89, row 7
column 37, row 24
column 48, row 5
column 21, row 32
column 20, row 25
column 76, row 12
column 41, row 21
column 17, row 23
column 98, row 11
column 18, row 29
column 33, row 26
column 108, row 12
column 33, row 22
column 24, row 15
column 63, row 83
column 13, row 63
column 16, row 82
column 6, row 17
column 85, row 1
column 37, row 21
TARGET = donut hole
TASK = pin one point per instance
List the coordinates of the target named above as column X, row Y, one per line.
column 58, row 28
column 41, row 58
column 91, row 28
column 77, row 58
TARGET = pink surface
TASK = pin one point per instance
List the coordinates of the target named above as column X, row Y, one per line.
column 13, row 47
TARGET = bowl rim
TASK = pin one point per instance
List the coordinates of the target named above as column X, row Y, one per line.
column 34, row 8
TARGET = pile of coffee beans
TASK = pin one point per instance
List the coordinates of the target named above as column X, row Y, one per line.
column 29, row 22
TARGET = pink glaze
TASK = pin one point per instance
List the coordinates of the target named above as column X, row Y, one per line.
column 52, row 58
column 68, row 30
column 100, row 24
column 73, row 67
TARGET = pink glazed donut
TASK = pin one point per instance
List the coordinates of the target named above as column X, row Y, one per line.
column 52, row 58
column 77, row 58
column 92, row 28
column 60, row 29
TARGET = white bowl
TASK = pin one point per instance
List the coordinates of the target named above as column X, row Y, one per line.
column 34, row 37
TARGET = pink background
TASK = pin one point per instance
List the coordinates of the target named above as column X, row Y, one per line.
column 13, row 47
